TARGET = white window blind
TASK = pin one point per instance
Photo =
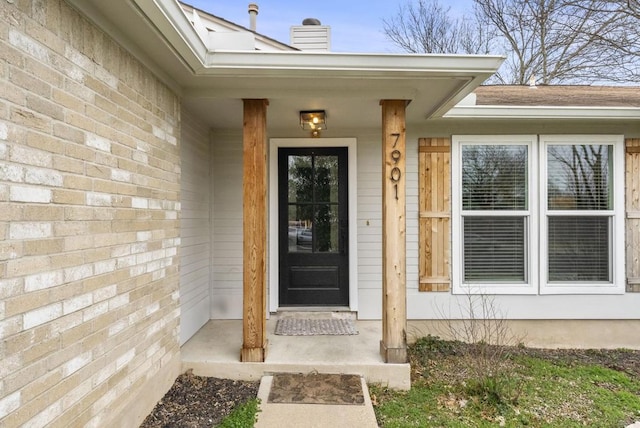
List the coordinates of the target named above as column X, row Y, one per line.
column 494, row 249
column 494, row 177
column 579, row 249
column 494, row 203
column 538, row 214
column 578, row 177
column 579, row 200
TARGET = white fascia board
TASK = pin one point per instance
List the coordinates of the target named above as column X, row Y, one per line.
column 361, row 64
column 173, row 25
column 543, row 112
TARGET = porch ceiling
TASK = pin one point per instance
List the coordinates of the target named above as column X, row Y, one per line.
column 343, row 112
column 348, row 86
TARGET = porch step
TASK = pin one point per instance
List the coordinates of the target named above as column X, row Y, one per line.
column 294, row 415
column 215, row 351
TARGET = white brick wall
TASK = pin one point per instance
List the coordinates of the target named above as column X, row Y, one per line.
column 33, row 230
column 89, row 222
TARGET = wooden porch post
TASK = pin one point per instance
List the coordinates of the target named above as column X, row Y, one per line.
column 254, row 249
column 393, row 345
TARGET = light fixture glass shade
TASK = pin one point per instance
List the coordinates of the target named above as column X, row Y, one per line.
column 313, row 120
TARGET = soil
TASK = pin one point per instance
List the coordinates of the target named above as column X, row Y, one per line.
column 199, row 402
column 203, row 402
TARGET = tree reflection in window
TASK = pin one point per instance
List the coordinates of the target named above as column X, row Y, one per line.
column 313, row 203
column 578, row 180
column 578, row 177
column 494, row 177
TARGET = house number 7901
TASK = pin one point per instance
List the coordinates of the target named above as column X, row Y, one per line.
column 396, row 174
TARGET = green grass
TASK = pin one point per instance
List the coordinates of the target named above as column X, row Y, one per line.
column 243, row 416
column 526, row 391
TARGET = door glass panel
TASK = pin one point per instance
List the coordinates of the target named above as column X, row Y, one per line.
column 300, row 228
column 326, row 178
column 300, row 178
column 326, row 228
column 313, row 223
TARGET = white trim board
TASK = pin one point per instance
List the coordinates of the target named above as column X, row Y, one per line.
column 274, row 145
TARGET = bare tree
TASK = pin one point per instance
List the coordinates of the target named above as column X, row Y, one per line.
column 562, row 41
column 551, row 41
column 623, row 37
column 428, row 27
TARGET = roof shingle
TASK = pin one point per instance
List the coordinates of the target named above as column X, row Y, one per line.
column 560, row 95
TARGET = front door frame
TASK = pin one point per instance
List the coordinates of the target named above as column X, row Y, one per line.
column 274, row 145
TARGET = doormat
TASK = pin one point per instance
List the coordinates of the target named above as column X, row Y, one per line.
column 315, row 327
column 316, row 388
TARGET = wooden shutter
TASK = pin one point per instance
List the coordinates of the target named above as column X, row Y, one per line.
column 632, row 169
column 435, row 213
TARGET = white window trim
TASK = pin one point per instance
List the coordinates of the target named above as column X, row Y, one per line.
column 531, row 238
column 617, row 242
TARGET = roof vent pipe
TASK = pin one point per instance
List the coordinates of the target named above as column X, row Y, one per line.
column 253, row 13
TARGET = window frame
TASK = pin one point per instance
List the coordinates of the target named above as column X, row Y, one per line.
column 537, row 233
column 617, row 230
column 458, row 214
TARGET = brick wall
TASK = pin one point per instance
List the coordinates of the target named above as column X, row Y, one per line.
column 89, row 227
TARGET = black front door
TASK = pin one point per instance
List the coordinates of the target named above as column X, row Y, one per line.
column 313, row 226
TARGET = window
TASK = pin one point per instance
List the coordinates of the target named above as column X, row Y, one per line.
column 492, row 210
column 509, row 238
column 582, row 217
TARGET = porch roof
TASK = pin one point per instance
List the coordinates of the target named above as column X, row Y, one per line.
column 557, row 102
column 558, row 95
column 348, row 86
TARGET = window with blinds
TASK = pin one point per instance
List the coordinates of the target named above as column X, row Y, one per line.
column 579, row 212
column 538, row 214
column 494, row 213
column 492, row 203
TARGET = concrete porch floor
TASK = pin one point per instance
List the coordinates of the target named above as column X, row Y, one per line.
column 215, row 351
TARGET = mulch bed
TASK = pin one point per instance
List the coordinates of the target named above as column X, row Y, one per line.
column 199, row 402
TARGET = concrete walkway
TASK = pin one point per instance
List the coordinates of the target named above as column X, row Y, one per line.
column 279, row 415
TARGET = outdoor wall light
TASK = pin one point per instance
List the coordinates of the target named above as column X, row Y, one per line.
column 314, row 121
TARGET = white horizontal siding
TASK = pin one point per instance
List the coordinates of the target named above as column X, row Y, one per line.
column 369, row 221
column 226, row 261
column 412, row 213
column 195, row 246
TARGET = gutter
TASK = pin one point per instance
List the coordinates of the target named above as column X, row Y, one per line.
column 543, row 112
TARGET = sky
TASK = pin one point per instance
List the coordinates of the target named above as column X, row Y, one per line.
column 356, row 26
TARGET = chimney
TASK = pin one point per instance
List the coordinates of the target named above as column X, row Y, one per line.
column 311, row 36
column 253, row 13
